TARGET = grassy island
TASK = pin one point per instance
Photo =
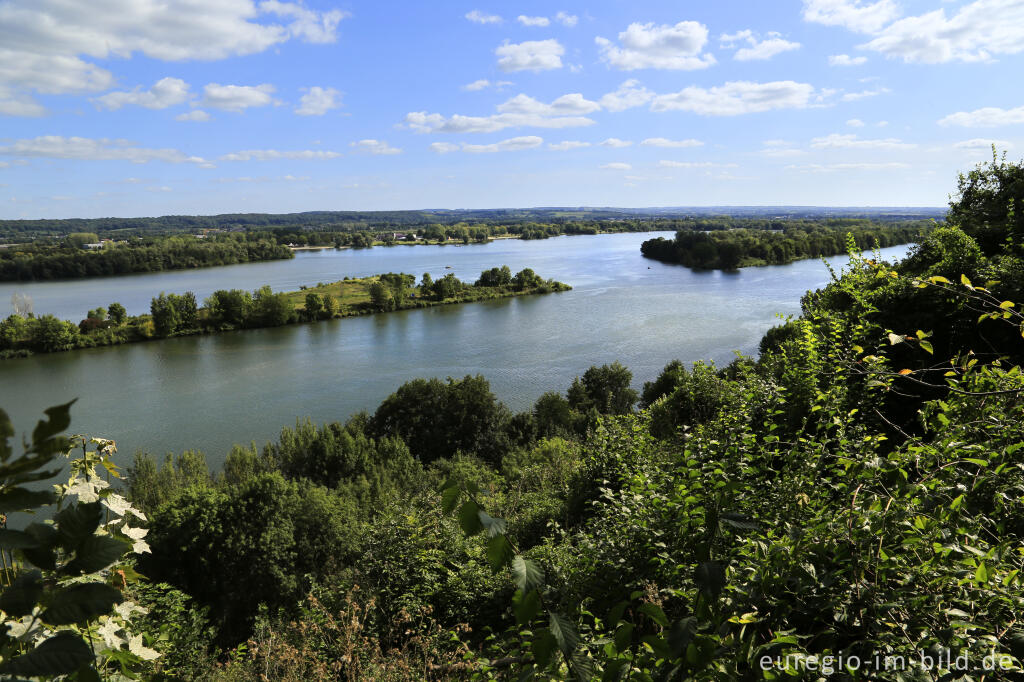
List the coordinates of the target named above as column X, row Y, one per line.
column 227, row 310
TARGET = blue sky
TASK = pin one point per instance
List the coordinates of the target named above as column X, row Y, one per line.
column 153, row 107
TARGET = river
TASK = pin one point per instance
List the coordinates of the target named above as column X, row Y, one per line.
column 209, row 392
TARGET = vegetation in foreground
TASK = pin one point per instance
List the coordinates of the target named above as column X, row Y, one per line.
column 847, row 506
column 226, row 310
column 783, row 243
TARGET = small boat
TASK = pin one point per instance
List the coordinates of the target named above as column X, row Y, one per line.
column 447, row 267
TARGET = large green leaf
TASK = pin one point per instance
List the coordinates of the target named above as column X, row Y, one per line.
column 97, row 552
column 77, row 523
column 22, row 595
column 19, row 499
column 492, row 525
column 6, row 431
column 81, row 602
column 526, row 606
column 526, row 573
column 710, row 578
column 655, row 613
column 43, row 554
column 499, row 552
column 63, row 653
column 469, row 518
column 543, row 645
column 59, row 420
column 16, row 539
column 449, row 498
column 563, row 632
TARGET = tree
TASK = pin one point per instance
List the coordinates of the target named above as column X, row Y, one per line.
column 448, row 286
column 13, row 331
column 97, row 313
column 426, row 283
column 229, row 308
column 272, row 310
column 314, row 306
column 116, row 313
column 165, row 315
column 526, row 279
column 605, row 388
column 381, row 296
column 495, row 277
column 49, row 334
column 552, row 414
column 330, row 307
column 989, row 203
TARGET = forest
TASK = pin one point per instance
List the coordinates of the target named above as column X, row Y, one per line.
column 847, row 505
column 230, row 309
column 708, row 245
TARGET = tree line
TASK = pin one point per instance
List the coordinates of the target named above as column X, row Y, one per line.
column 730, row 248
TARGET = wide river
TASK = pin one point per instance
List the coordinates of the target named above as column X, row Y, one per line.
column 210, row 392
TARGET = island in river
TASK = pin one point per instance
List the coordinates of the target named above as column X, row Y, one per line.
column 231, row 309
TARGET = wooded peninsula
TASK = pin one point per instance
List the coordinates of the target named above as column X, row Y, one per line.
column 227, row 310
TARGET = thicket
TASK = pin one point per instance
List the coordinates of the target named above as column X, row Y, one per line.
column 849, row 505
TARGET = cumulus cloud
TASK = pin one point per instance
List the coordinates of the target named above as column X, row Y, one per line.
column 630, row 94
column 237, row 97
column 533, row 21
column 616, row 143
column 977, row 32
column 521, row 111
column 856, row 15
column 986, row 117
column 478, row 17
column 566, row 19
column 444, row 147
column 845, row 60
column 780, row 149
column 736, row 97
column 650, row 46
column 44, row 41
column 756, row 48
column 532, row 55
column 91, row 149
column 664, row 142
column 274, row 155
column 979, row 144
column 375, row 147
column 483, row 84
column 864, row 94
column 166, row 92
column 512, row 144
column 567, row 145
column 837, row 141
column 855, row 123
column 616, row 166
column 196, row 115
column 317, row 101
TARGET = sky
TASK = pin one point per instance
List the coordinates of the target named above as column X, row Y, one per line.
column 154, row 107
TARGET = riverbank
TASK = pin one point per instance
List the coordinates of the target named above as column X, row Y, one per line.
column 176, row 315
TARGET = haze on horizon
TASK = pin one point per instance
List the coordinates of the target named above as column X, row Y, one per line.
column 284, row 106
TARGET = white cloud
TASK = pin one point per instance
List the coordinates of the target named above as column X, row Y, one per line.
column 566, row 105
column 533, row 21
column 197, row 115
column 478, row 17
column 650, row 46
column 832, row 167
column 566, row 19
column 375, row 147
column 855, row 123
column 977, row 32
column 237, row 97
column 695, row 164
column 757, row 49
column 443, row 147
column 845, row 60
column 318, row 101
column 736, row 97
column 863, row 94
column 778, row 149
column 616, row 143
column 520, row 111
column 274, row 155
column 664, row 142
column 532, row 55
column 166, row 92
column 91, row 149
column 307, row 24
column 567, row 145
column 44, row 41
column 837, row 141
column 630, row 94
column 513, row 144
column 978, row 144
column 477, row 85
column 986, row 117
column 856, row 15
column 616, row 166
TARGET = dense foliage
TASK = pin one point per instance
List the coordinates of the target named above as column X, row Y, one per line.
column 849, row 505
column 781, row 242
column 71, row 258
